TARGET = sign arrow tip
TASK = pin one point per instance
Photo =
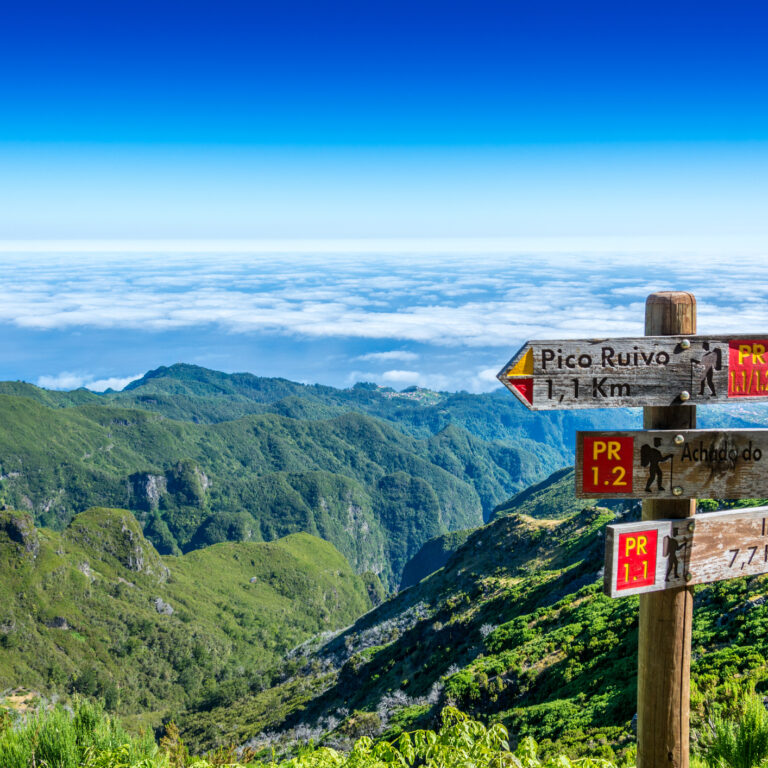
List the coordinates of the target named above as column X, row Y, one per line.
column 524, row 387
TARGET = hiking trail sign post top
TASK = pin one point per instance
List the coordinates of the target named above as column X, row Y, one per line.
column 654, row 555
column 648, row 370
column 672, row 464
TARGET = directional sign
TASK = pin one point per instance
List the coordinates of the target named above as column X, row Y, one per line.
column 649, row 370
column 669, row 464
column 662, row 554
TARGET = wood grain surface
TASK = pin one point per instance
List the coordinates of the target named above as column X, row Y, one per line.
column 664, row 632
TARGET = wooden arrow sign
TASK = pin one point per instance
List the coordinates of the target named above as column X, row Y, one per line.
column 669, row 464
column 648, row 370
column 662, row 554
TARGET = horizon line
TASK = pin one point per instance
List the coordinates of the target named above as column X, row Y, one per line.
column 425, row 244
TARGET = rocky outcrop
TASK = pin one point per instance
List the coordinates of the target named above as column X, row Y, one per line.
column 162, row 607
column 185, row 482
column 57, row 622
column 115, row 533
column 146, row 489
column 19, row 529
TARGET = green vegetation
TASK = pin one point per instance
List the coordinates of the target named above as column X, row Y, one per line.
column 95, row 610
column 738, row 739
column 553, row 497
column 91, row 739
column 86, row 738
column 514, row 629
column 216, row 604
column 376, row 493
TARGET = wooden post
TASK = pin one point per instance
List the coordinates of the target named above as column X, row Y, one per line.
column 664, row 654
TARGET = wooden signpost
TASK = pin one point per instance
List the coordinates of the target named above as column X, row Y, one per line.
column 648, row 370
column 669, row 464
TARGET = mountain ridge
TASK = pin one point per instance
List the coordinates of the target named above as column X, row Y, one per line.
column 193, row 484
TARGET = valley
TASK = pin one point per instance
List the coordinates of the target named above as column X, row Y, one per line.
column 264, row 563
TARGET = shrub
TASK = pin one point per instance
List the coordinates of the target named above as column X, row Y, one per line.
column 58, row 739
column 741, row 740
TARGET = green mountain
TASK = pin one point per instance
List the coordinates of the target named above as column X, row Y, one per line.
column 95, row 609
column 202, row 456
column 432, row 556
column 554, row 497
column 376, row 488
column 513, row 629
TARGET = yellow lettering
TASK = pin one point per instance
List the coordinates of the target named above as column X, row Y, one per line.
column 757, row 354
column 598, row 447
column 613, row 450
column 745, row 350
column 642, row 541
column 631, row 544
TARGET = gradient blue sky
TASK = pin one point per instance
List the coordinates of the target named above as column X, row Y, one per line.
column 382, row 119
column 611, row 148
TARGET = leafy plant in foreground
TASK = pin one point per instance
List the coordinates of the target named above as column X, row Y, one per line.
column 91, row 739
column 58, row 739
column 739, row 740
column 460, row 742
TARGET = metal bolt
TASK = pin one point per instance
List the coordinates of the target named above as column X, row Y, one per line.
column 677, row 490
column 691, row 525
column 685, row 344
column 688, row 576
column 679, row 439
column 685, row 395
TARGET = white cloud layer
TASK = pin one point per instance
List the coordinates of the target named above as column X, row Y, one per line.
column 384, row 357
column 441, row 319
column 454, row 301
column 68, row 380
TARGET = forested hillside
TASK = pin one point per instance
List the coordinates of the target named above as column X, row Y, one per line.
column 513, row 629
column 203, row 457
column 373, row 491
column 96, row 610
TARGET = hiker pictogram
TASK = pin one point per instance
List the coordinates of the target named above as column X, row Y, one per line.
column 651, row 456
column 671, row 547
column 711, row 361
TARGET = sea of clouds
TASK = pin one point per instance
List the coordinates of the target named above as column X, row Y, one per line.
column 406, row 317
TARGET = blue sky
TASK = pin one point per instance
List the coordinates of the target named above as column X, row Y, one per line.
column 381, row 119
column 573, row 134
